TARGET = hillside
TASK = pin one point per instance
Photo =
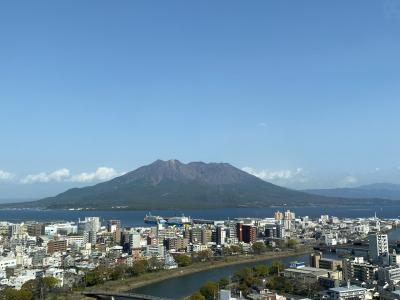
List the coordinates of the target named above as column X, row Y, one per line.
column 370, row 191
column 174, row 185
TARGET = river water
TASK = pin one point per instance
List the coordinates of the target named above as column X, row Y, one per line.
column 180, row 287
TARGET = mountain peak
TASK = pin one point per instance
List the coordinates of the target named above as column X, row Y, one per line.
column 172, row 184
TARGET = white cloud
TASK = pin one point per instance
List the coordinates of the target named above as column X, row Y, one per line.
column 6, row 176
column 278, row 175
column 349, row 180
column 56, row 176
column 101, row 174
column 64, row 175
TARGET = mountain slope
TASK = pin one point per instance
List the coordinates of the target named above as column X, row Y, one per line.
column 174, row 185
column 376, row 190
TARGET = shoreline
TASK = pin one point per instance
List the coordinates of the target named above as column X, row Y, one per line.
column 152, row 278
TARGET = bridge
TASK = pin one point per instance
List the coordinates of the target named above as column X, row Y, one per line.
column 114, row 296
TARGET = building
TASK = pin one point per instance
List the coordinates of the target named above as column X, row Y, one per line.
column 315, row 258
column 358, row 269
column 56, row 246
column 305, row 274
column 176, row 243
column 220, row 235
column 157, row 251
column 246, row 233
column 113, row 225
column 275, row 231
column 7, row 262
column 348, row 292
column 134, row 240
column 330, row 264
column 389, row 275
column 35, row 229
column 378, row 246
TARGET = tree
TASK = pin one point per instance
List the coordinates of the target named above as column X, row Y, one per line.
column 155, row 264
column 183, row 260
column 292, row 244
column 92, row 278
column 276, row 267
column 139, row 267
column 13, row 294
column 223, row 282
column 235, row 249
column 261, row 271
column 209, row 290
column 197, row 296
column 118, row 272
column 50, row 282
column 258, row 247
column 205, row 254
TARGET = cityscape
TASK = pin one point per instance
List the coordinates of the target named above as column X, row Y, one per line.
column 199, row 150
column 345, row 258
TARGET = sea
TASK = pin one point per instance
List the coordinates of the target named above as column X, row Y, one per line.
column 134, row 218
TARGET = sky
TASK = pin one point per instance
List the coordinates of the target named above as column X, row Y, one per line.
column 304, row 94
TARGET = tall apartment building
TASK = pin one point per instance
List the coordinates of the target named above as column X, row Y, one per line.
column 314, row 259
column 56, row 246
column 35, row 229
column 378, row 246
column 113, row 225
column 246, row 233
column 358, row 269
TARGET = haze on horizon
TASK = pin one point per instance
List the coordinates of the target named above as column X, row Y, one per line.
column 301, row 94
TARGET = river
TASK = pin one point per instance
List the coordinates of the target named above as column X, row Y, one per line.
column 180, row 287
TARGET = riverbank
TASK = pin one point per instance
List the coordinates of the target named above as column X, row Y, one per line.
column 152, row 278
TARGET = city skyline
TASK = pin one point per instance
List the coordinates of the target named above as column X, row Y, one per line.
column 303, row 95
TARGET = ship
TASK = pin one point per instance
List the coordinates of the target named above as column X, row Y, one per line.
column 150, row 219
column 179, row 221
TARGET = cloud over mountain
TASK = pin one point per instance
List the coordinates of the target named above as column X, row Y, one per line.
column 65, row 175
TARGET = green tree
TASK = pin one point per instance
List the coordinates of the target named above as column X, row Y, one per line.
column 13, row 294
column 209, row 290
column 183, row 260
column 139, row 267
column 223, row 282
column 292, row 244
column 259, row 247
column 205, row 254
column 235, row 249
column 276, row 267
column 197, row 296
column 261, row 271
column 50, row 282
column 155, row 264
column 92, row 278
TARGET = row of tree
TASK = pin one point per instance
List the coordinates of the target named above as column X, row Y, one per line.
column 32, row 289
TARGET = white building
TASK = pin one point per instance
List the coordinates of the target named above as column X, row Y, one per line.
column 7, row 262
column 378, row 246
column 348, row 292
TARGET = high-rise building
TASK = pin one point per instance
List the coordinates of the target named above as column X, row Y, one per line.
column 92, row 224
column 221, row 235
column 247, row 233
column 56, row 246
column 113, row 225
column 378, row 246
column 134, row 240
column 315, row 259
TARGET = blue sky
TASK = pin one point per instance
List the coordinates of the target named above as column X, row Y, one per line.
column 301, row 93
